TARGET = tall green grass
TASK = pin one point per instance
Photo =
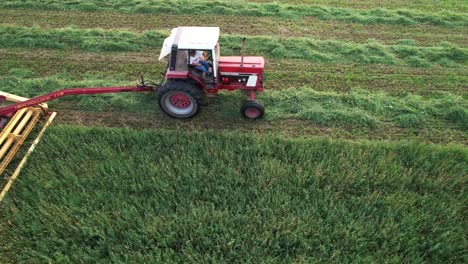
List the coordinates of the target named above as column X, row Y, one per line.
column 357, row 108
column 329, row 51
column 233, row 8
column 119, row 195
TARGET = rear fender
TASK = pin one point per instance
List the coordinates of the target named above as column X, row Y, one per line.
column 192, row 79
column 197, row 80
column 177, row 74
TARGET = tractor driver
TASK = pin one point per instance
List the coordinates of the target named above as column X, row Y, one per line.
column 196, row 59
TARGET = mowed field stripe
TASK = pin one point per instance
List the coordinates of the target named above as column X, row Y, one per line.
column 280, row 73
column 404, row 53
column 422, row 35
column 355, row 109
column 432, row 6
column 235, row 8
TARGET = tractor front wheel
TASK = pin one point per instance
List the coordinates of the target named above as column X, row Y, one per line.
column 251, row 109
column 179, row 99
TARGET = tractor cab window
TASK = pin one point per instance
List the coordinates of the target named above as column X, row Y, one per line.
column 201, row 60
column 208, row 56
column 182, row 60
column 205, row 55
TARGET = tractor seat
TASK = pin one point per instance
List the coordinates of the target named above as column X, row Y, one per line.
column 195, row 72
column 192, row 69
column 209, row 79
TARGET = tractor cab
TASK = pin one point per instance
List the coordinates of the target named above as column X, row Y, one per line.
column 184, row 40
column 190, row 81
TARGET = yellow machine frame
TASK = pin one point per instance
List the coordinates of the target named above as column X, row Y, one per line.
column 15, row 133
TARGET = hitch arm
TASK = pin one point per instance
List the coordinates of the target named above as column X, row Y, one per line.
column 8, row 110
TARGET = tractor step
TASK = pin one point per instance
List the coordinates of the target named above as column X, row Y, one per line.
column 15, row 130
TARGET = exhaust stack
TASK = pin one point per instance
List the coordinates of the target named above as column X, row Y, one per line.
column 242, row 52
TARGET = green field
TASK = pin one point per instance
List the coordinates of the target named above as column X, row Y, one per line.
column 162, row 195
column 361, row 156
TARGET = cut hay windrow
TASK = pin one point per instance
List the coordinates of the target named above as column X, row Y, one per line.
column 233, row 8
column 357, row 108
column 329, row 51
column 420, row 35
column 281, row 73
column 432, row 6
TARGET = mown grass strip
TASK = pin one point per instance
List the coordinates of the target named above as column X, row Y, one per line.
column 364, row 108
column 166, row 196
column 280, row 73
column 454, row 5
column 373, row 52
column 423, row 35
column 234, row 8
column 358, row 108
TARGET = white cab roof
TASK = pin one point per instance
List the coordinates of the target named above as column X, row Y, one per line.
column 197, row 38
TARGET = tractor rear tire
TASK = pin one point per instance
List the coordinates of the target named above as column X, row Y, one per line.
column 251, row 109
column 179, row 99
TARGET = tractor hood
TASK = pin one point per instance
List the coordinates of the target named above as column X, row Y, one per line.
column 196, row 38
column 233, row 64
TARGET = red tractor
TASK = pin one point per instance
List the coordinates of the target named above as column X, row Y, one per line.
column 179, row 95
column 185, row 84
